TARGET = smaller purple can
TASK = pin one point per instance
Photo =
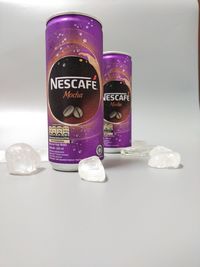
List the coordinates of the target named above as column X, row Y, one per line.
column 117, row 75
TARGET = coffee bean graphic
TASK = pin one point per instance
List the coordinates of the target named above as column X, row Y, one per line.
column 68, row 111
column 118, row 116
column 78, row 113
column 113, row 114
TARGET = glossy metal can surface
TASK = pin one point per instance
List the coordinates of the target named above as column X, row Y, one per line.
column 117, row 73
column 74, row 89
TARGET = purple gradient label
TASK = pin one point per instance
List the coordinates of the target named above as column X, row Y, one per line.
column 117, row 70
column 74, row 88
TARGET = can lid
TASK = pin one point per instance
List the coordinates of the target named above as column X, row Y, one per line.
column 117, row 53
column 72, row 13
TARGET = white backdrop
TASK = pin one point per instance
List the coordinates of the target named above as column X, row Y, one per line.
column 161, row 36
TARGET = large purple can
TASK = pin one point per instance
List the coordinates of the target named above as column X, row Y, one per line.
column 74, row 50
column 117, row 73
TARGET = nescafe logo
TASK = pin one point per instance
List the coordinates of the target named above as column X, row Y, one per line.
column 74, row 91
column 117, row 102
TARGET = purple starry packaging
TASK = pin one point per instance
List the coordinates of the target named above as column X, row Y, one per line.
column 117, row 72
column 74, row 50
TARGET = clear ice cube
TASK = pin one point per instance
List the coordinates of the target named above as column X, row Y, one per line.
column 22, row 159
column 162, row 157
column 91, row 169
column 140, row 149
column 159, row 149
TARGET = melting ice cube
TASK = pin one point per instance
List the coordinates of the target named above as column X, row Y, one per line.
column 159, row 149
column 91, row 169
column 139, row 149
column 162, row 157
column 22, row 159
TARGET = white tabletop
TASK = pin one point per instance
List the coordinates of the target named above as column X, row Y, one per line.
column 140, row 217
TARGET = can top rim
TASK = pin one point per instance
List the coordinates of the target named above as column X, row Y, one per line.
column 72, row 13
column 117, row 53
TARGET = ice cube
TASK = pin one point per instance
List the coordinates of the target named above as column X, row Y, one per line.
column 91, row 169
column 162, row 157
column 22, row 159
column 159, row 149
column 139, row 149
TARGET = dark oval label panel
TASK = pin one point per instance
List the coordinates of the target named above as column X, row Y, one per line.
column 74, row 91
column 117, row 101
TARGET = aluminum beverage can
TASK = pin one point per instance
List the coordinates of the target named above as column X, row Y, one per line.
column 117, row 80
column 74, row 50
